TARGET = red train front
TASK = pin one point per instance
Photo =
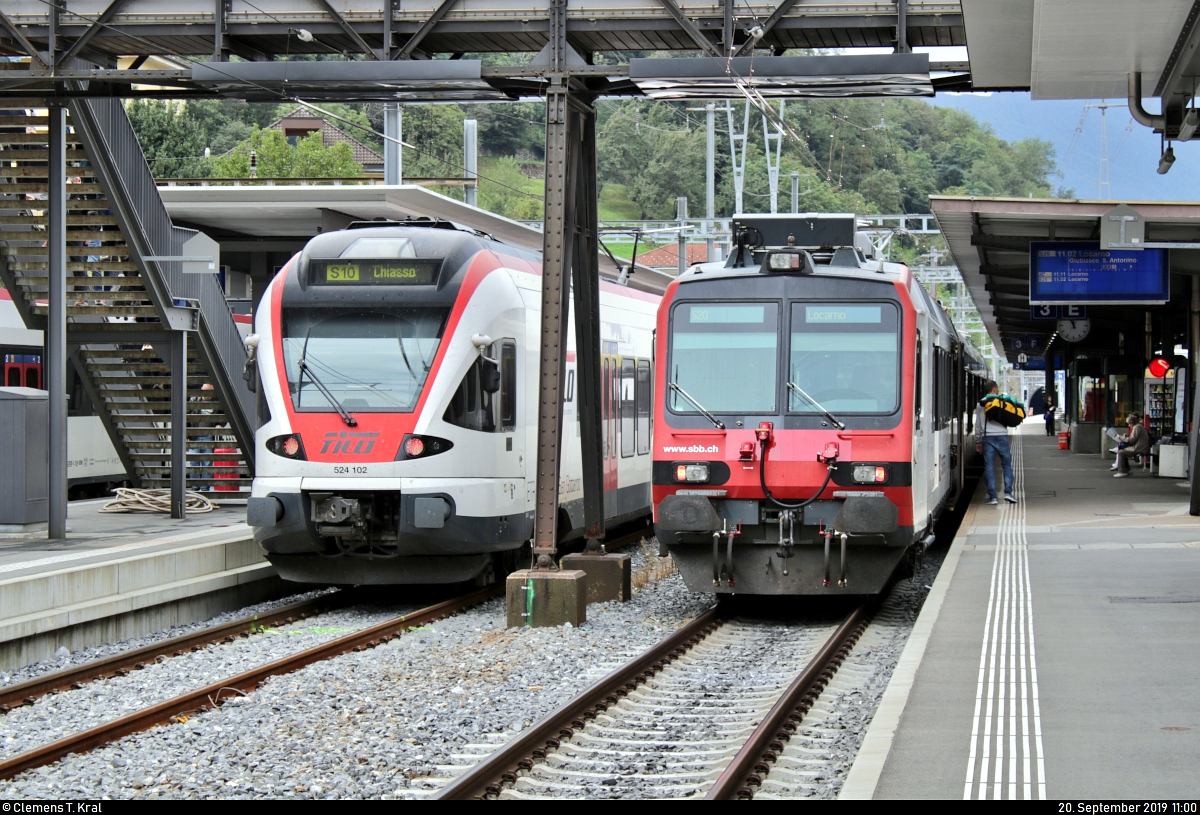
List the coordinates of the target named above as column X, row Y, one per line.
column 799, row 447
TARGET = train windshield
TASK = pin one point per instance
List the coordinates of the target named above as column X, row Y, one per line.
column 724, row 355
column 369, row 359
column 846, row 356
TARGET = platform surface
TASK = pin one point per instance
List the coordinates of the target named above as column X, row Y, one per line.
column 94, row 537
column 1058, row 654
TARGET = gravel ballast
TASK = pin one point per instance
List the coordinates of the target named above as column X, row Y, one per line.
column 400, row 720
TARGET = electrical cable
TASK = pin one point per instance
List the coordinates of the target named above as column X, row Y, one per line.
column 140, row 501
column 762, row 480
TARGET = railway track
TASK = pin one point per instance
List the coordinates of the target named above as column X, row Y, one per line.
column 716, row 700
column 210, row 696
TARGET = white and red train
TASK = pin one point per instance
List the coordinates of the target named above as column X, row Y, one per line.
column 399, row 374
column 813, row 409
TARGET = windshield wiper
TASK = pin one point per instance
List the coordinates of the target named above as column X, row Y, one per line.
column 716, row 422
column 305, row 369
column 794, row 387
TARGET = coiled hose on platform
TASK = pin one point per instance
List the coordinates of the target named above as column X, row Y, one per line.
column 130, row 499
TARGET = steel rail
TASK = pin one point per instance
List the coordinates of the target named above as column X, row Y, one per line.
column 487, row 778
column 26, row 693
column 210, row 696
column 754, row 760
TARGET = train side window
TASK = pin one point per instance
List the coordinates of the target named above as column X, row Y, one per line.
column 643, row 406
column 604, row 406
column 508, row 385
column 628, row 406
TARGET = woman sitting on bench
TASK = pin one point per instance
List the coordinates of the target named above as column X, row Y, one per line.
column 1138, row 439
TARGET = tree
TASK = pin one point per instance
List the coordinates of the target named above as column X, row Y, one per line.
column 309, row 158
column 171, row 139
column 502, row 190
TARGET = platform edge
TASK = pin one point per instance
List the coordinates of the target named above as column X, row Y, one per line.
column 865, row 772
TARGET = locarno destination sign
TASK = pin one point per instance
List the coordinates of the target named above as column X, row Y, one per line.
column 1064, row 272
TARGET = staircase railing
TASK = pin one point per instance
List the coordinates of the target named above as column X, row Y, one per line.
column 105, row 130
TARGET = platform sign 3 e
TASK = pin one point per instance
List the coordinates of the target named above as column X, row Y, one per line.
column 1056, row 313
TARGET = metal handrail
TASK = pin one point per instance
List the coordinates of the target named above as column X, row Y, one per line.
column 108, row 135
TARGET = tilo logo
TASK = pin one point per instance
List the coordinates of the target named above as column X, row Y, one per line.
column 354, row 444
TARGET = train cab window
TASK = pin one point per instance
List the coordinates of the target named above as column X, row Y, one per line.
column 486, row 398
column 643, row 407
column 917, row 381
column 725, row 356
column 370, row 359
column 846, row 356
column 628, row 406
column 508, row 385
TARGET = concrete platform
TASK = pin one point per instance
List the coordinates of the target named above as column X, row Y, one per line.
column 119, row 576
column 1057, row 655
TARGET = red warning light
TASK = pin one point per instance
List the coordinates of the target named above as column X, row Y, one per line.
column 1159, row 367
column 414, row 447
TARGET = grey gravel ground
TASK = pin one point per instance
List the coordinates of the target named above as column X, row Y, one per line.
column 397, row 721
column 65, row 659
column 815, row 761
column 376, row 723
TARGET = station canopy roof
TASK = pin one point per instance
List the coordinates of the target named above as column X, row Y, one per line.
column 989, row 241
column 296, row 213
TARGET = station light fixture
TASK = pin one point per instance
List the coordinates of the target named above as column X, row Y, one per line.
column 1168, row 159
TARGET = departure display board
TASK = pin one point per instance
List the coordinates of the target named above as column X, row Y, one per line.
column 372, row 272
column 1081, row 272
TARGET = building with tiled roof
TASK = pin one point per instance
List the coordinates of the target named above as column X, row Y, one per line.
column 300, row 122
column 667, row 257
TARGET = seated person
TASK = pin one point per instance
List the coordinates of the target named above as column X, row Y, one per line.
column 1138, row 439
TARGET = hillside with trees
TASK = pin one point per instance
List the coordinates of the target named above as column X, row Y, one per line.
column 862, row 155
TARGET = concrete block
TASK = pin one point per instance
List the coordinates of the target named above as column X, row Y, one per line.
column 608, row 575
column 243, row 553
column 199, row 560
column 98, row 610
column 143, row 572
column 539, row 599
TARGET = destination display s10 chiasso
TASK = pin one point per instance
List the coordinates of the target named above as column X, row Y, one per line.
column 370, row 272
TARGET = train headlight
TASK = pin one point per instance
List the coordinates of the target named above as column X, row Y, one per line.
column 870, row 474
column 691, row 473
column 413, row 446
column 289, row 446
column 788, row 260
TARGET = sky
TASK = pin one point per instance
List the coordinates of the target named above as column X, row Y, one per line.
column 1133, row 150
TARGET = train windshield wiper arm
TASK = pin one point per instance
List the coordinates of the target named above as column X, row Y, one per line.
column 716, row 422
column 792, row 386
column 305, row 369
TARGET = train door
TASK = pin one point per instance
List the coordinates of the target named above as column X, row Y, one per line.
column 923, row 429
column 12, row 372
column 610, row 402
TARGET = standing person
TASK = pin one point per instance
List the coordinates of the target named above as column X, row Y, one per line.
column 991, row 439
column 1138, row 439
column 1049, row 417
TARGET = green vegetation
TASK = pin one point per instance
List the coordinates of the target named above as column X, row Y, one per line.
column 855, row 155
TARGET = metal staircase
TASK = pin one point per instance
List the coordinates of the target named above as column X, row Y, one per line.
column 124, row 310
